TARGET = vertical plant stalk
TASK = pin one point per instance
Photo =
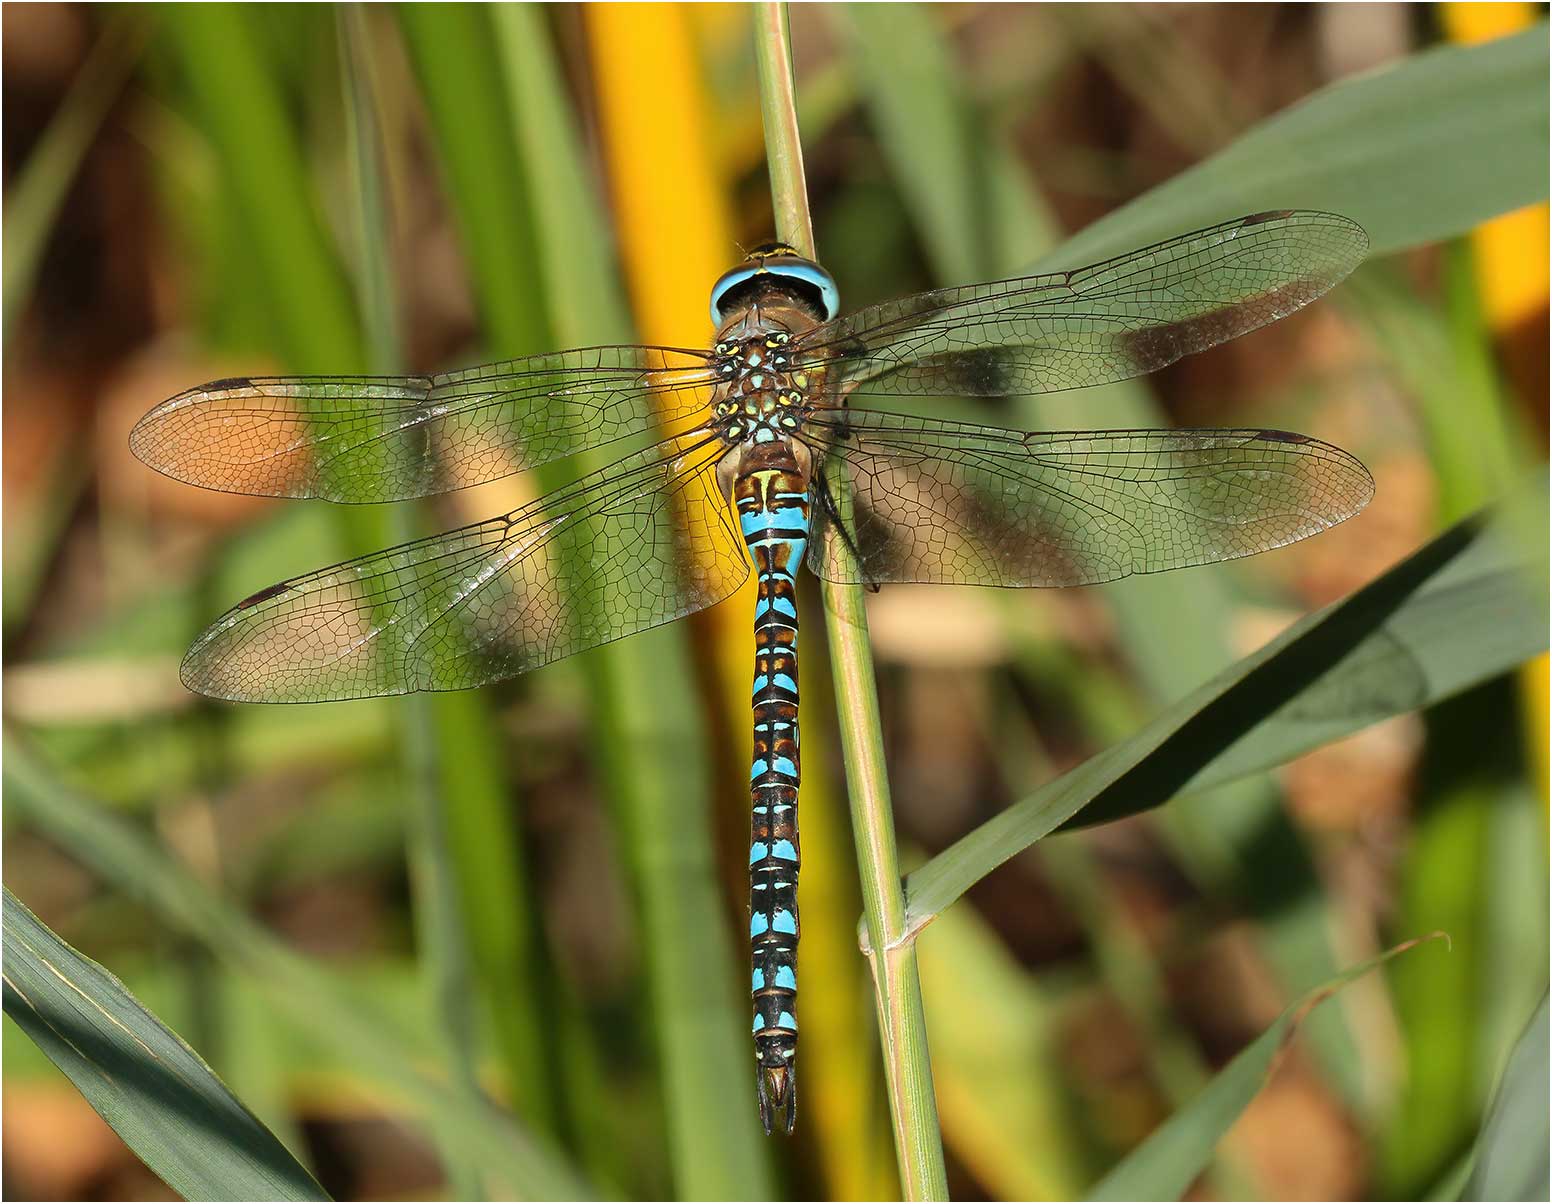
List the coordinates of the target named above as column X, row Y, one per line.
column 438, row 912
column 890, row 948
column 650, row 113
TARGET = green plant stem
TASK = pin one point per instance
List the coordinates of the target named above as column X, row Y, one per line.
column 341, row 1017
column 891, row 950
column 441, row 932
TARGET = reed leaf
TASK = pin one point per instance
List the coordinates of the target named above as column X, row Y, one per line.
column 1413, row 153
column 1511, row 1153
column 1384, row 649
column 453, row 780
column 139, row 1075
column 317, row 1001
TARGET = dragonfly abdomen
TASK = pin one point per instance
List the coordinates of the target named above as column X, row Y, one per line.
column 773, row 513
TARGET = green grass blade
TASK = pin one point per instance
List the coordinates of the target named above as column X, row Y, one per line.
column 1164, row 1165
column 441, row 881
column 1511, row 1154
column 926, row 130
column 460, row 77
column 1478, row 621
column 376, row 287
column 240, row 104
column 468, row 57
column 139, row 1075
column 1466, row 573
column 698, row 1016
column 585, row 301
column 1413, row 153
column 456, row 65
column 347, row 1020
column 1441, row 882
column 1465, row 868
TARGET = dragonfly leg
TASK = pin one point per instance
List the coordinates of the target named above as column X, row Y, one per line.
column 833, row 513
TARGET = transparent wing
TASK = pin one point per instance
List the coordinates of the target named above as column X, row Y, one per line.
column 1106, row 322
column 956, row 503
column 640, row 543
column 379, row 439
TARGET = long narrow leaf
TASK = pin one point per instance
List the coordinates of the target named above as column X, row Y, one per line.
column 1412, row 153
column 139, row 1075
column 442, row 918
column 1511, row 1155
column 240, row 104
column 1475, row 581
column 352, row 1023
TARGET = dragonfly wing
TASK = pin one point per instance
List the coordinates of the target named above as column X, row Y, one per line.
column 379, row 439
column 1106, row 322
column 640, row 543
column 957, row 503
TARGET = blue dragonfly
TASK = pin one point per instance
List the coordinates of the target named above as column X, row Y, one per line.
column 754, row 455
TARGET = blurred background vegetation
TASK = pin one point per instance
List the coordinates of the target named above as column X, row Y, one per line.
column 533, row 893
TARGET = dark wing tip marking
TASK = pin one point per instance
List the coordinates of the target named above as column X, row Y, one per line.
column 263, row 595
column 225, row 384
column 1270, row 215
column 1283, row 437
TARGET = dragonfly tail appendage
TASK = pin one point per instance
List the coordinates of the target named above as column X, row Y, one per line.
column 778, row 1087
column 773, row 511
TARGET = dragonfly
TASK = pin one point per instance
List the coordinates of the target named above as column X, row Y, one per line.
column 763, row 452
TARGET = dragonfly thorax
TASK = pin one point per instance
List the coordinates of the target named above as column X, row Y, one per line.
column 761, row 394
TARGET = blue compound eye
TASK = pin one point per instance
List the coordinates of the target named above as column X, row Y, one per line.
column 780, row 268
column 808, row 273
column 725, row 284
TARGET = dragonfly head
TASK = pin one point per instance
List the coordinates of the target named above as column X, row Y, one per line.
column 775, row 272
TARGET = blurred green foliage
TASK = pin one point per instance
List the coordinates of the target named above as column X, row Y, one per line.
column 503, row 920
